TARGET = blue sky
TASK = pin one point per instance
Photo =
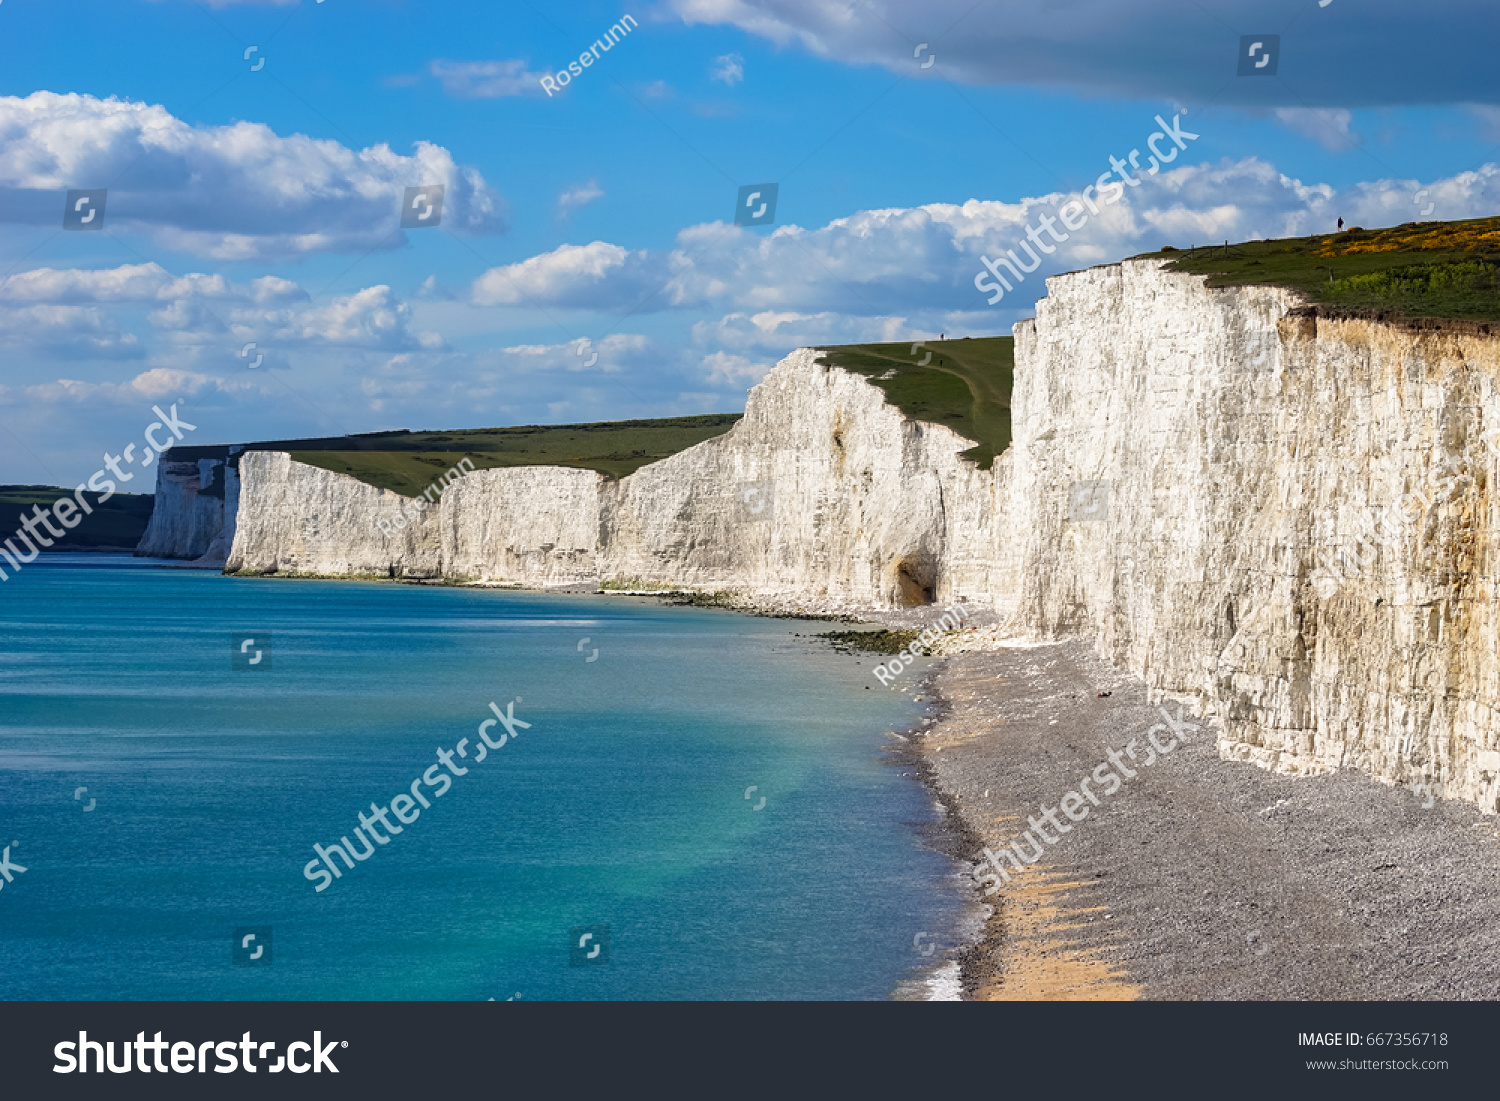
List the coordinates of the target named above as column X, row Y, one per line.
column 262, row 205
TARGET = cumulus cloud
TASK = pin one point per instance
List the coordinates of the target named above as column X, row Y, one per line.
column 68, row 332
column 729, row 369
column 903, row 262
column 487, row 79
column 775, row 331
column 1393, row 52
column 139, row 283
column 598, row 275
column 86, row 313
column 162, row 382
column 152, row 385
column 233, row 192
column 370, row 318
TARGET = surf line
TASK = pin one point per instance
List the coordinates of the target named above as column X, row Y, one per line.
column 955, row 616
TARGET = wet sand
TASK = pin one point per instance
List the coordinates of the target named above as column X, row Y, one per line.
column 1199, row 878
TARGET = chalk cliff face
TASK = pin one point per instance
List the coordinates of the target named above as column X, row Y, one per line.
column 193, row 516
column 533, row 525
column 821, row 491
column 1193, row 481
column 1249, row 446
column 300, row 519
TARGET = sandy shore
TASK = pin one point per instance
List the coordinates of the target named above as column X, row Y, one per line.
column 1198, row 878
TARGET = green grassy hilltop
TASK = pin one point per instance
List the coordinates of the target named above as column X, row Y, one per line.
column 964, row 384
column 1437, row 270
column 118, row 522
column 408, row 462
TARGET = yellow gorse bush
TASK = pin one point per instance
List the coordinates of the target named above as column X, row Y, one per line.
column 1482, row 235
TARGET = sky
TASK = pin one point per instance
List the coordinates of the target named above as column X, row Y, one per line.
column 587, row 265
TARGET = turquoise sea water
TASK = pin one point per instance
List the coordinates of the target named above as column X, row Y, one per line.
column 623, row 805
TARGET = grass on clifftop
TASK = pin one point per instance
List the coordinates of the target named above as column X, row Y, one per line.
column 965, row 384
column 408, row 462
column 118, row 522
column 1418, row 270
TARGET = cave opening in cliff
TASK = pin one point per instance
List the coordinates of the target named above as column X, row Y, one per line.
column 916, row 581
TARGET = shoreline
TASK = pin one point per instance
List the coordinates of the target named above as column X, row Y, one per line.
column 959, row 970
column 1198, row 877
column 1032, row 917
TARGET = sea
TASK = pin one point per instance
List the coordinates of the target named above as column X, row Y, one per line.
column 704, row 805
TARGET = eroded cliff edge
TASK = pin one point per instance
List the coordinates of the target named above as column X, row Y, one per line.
column 1252, row 450
column 1248, row 446
column 822, row 491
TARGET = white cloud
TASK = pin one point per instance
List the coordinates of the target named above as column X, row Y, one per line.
column 86, row 313
column 162, row 382
column 778, row 331
column 893, row 274
column 430, row 290
column 232, row 192
column 597, row 275
column 370, row 318
column 139, row 283
column 1328, row 126
column 575, row 197
column 487, row 79
column 921, row 261
column 728, row 68
column 731, row 370
column 152, row 385
column 610, row 354
column 68, row 332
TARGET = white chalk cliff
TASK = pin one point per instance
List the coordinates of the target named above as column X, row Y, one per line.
column 195, row 510
column 1246, row 443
